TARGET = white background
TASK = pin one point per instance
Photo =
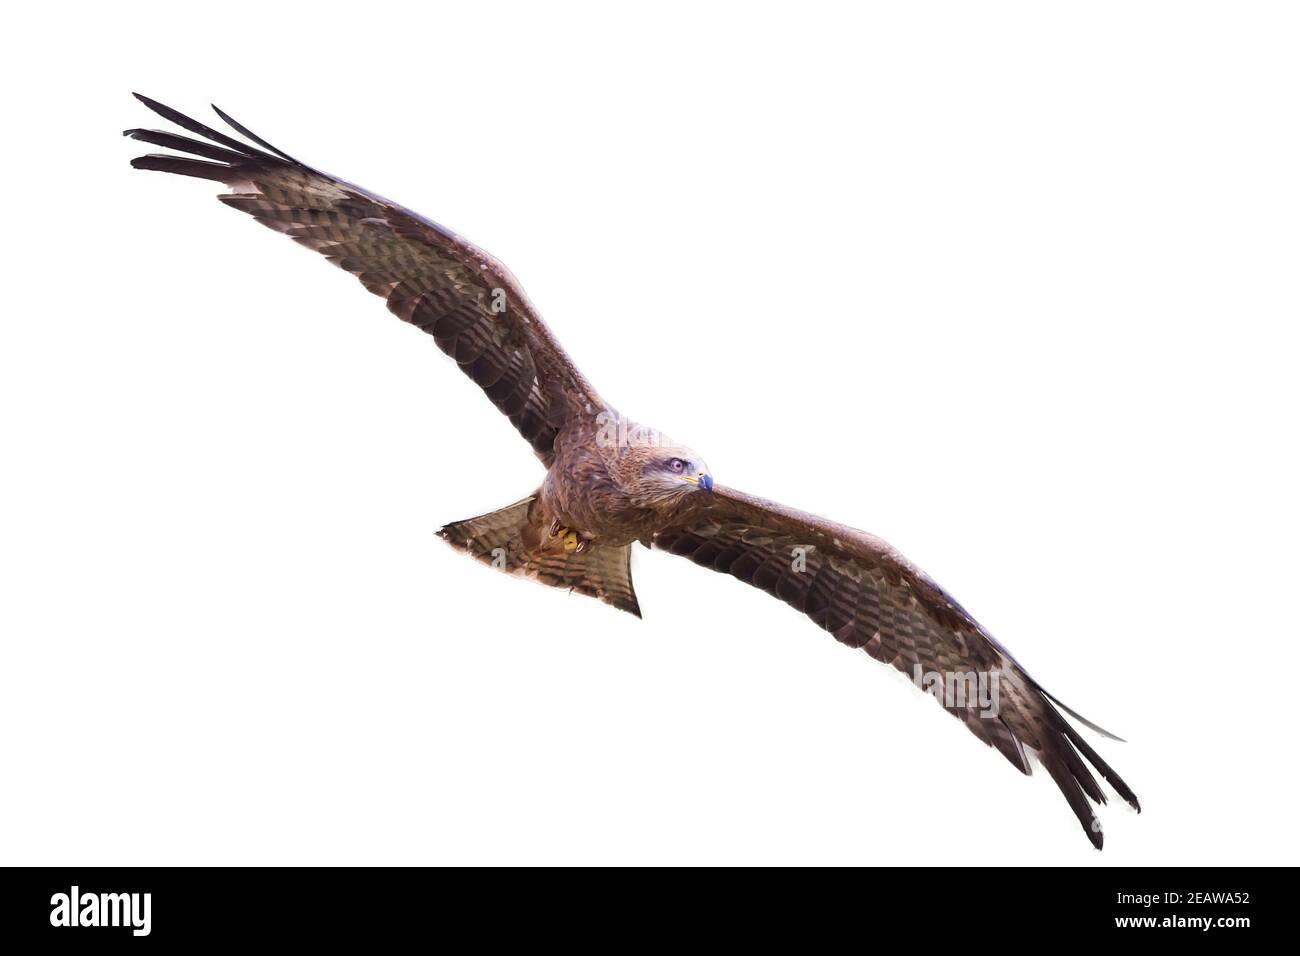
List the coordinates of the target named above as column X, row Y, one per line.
column 1011, row 285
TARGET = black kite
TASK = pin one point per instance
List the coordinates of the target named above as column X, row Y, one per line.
column 610, row 483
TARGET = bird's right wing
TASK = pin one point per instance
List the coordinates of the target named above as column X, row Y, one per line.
column 468, row 301
column 867, row 595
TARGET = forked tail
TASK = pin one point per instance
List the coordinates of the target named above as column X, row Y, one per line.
column 514, row 539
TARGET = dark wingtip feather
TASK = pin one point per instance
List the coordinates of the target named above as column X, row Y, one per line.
column 194, row 126
column 184, row 166
column 1074, row 796
column 1107, row 773
column 186, row 145
column 241, row 128
column 1066, row 756
column 1082, row 719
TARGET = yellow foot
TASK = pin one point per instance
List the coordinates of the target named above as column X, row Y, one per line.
column 572, row 541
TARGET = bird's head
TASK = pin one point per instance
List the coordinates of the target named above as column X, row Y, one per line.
column 666, row 473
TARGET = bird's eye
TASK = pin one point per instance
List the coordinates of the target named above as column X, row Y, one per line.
column 676, row 464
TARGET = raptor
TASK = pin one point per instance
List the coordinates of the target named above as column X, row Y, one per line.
column 610, row 482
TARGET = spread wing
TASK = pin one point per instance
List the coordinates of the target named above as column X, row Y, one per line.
column 869, row 596
column 470, row 303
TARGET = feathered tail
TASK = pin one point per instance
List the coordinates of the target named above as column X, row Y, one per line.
column 515, row 539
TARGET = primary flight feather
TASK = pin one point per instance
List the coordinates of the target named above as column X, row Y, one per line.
column 611, row 482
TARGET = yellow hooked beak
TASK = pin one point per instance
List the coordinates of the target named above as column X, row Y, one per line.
column 704, row 480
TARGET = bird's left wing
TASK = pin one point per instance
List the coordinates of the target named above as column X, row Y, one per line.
column 868, row 595
column 468, row 301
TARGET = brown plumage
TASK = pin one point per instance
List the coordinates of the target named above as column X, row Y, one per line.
column 610, row 483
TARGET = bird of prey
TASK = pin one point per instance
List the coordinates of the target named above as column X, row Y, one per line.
column 610, row 482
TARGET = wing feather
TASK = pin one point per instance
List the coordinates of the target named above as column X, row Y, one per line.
column 466, row 300
column 867, row 595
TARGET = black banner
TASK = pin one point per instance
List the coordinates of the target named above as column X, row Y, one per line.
column 961, row 906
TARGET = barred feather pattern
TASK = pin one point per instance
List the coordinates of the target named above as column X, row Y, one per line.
column 466, row 300
column 868, row 596
column 513, row 540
